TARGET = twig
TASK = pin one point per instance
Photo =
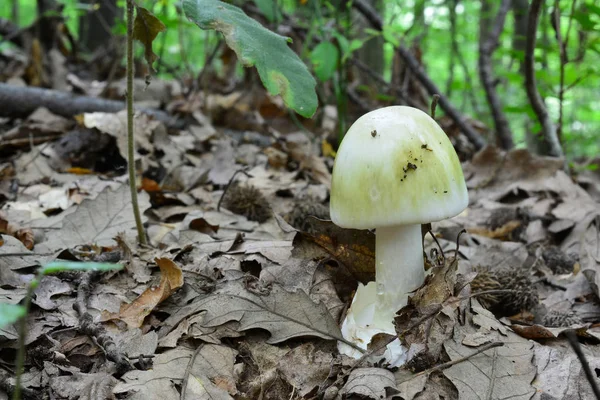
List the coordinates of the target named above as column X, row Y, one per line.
column 97, row 332
column 434, row 102
column 572, row 338
column 84, row 289
column 448, row 364
column 208, row 62
column 105, row 342
column 188, row 370
column 438, row 243
column 243, row 171
column 398, row 91
column 130, row 128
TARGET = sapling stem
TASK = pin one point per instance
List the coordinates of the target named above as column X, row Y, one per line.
column 130, row 132
column 20, row 361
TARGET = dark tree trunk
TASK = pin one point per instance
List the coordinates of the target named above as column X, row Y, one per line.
column 95, row 26
column 371, row 53
column 520, row 10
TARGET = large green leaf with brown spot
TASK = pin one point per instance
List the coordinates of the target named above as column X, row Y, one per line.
column 280, row 69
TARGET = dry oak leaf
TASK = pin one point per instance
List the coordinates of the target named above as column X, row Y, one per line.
column 284, row 314
column 134, row 313
column 499, row 373
column 96, row 221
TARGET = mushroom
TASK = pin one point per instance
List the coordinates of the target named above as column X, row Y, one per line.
column 395, row 170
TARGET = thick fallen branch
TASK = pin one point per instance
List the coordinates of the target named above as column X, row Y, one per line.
column 375, row 20
column 17, row 101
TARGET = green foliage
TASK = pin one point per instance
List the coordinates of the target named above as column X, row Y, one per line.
column 269, row 9
column 325, row 58
column 280, row 69
column 10, row 313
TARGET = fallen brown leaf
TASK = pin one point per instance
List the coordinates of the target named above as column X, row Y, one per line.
column 134, row 313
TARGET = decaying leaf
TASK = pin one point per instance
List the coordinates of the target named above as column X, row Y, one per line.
column 145, row 29
column 353, row 248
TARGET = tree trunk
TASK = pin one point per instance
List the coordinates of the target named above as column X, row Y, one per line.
column 95, row 26
column 520, row 10
column 371, row 53
column 487, row 45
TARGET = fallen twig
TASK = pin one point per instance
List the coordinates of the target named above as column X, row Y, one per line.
column 448, row 364
column 572, row 338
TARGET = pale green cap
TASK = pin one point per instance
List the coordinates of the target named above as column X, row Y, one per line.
column 396, row 166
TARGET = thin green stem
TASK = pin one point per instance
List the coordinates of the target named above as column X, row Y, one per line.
column 20, row 361
column 130, row 133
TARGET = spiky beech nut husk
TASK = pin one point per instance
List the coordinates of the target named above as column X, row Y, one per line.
column 483, row 282
column 247, row 200
column 520, row 293
column 557, row 260
column 524, row 295
column 561, row 319
column 301, row 216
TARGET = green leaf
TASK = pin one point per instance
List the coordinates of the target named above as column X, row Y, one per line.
column 10, row 313
column 145, row 29
column 58, row 266
column 280, row 69
column 347, row 47
column 325, row 57
column 269, row 9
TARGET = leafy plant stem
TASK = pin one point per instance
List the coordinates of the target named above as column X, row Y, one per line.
column 130, row 132
column 20, row 361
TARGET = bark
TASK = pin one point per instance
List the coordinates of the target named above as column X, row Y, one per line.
column 487, row 45
column 552, row 145
column 377, row 23
column 17, row 101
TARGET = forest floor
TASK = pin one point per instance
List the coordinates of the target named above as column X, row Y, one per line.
column 243, row 285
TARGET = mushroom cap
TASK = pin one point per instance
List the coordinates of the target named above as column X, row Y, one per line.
column 396, row 166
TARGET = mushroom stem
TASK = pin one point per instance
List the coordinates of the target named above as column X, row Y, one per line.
column 399, row 264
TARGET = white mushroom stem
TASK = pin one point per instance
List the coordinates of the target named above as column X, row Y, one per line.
column 399, row 264
column 399, row 271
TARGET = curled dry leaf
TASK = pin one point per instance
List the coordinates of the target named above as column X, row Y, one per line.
column 134, row 313
column 25, row 235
